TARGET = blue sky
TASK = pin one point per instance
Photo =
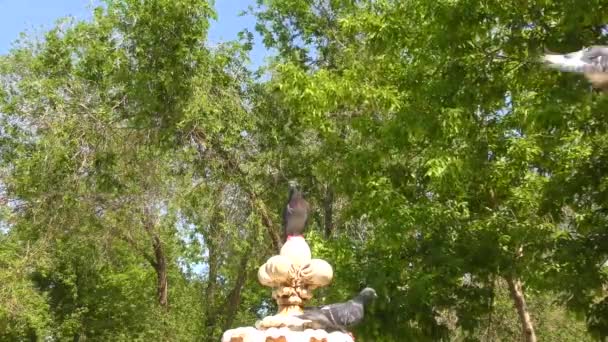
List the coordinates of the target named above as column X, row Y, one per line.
column 20, row 15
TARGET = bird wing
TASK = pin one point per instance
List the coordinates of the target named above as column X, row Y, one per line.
column 597, row 57
column 285, row 215
column 295, row 215
column 344, row 314
column 320, row 320
column 568, row 62
column 589, row 60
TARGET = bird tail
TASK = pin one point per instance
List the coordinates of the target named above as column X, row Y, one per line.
column 311, row 316
column 306, row 316
column 549, row 52
column 320, row 321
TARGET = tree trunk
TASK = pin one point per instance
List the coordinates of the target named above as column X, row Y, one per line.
column 275, row 238
column 212, row 275
column 211, row 310
column 328, row 205
column 159, row 261
column 234, row 298
column 519, row 300
column 160, row 266
column 491, row 313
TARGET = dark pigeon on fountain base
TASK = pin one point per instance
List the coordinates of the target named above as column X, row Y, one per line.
column 339, row 316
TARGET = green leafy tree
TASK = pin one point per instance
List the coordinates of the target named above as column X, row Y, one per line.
column 446, row 137
column 115, row 132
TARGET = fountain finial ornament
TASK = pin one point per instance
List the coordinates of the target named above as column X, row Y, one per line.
column 292, row 275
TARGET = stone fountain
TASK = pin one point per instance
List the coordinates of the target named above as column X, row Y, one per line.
column 292, row 275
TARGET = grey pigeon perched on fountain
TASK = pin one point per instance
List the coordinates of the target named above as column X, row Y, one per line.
column 337, row 317
column 591, row 61
column 295, row 213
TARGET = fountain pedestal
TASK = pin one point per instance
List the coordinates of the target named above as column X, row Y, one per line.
column 292, row 275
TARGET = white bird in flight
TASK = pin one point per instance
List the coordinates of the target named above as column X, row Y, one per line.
column 591, row 62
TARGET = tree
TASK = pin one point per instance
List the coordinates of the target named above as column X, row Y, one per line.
column 115, row 130
column 436, row 122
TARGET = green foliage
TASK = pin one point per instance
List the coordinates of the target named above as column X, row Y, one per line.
column 441, row 161
column 435, row 124
column 110, row 130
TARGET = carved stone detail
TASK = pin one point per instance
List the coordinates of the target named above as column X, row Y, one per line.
column 292, row 275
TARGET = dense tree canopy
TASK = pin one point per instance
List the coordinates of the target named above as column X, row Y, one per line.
column 143, row 172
